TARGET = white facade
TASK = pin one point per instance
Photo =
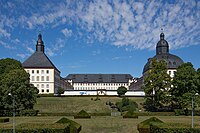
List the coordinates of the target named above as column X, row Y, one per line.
column 109, row 93
column 171, row 72
column 97, row 86
column 43, row 79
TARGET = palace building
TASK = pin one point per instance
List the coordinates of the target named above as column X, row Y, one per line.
column 46, row 77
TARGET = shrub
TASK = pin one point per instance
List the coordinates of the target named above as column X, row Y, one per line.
column 3, row 120
column 82, row 114
column 155, row 113
column 126, row 105
column 144, row 127
column 130, row 114
column 73, row 126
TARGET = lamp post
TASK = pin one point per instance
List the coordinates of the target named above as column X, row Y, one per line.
column 193, row 109
column 13, row 101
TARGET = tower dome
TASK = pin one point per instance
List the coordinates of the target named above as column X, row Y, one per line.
column 162, row 53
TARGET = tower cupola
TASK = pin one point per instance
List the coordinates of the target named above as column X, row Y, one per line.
column 162, row 46
column 40, row 44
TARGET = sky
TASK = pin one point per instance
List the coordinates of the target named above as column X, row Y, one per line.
column 100, row 36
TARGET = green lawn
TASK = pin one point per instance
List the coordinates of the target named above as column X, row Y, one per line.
column 75, row 104
column 97, row 124
column 104, row 124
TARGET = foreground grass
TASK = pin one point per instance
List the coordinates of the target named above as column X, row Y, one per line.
column 104, row 124
column 76, row 104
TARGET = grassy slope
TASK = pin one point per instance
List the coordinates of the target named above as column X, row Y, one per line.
column 75, row 104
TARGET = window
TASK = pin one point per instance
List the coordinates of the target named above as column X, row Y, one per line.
column 42, row 78
column 42, row 85
column 38, row 78
column 32, row 78
column 47, row 78
column 47, row 86
column 38, row 85
column 32, row 71
column 42, row 90
column 169, row 72
column 47, row 90
column 27, row 71
column 42, row 72
column 37, row 71
column 47, row 71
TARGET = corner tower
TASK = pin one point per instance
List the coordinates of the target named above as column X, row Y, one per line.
column 43, row 74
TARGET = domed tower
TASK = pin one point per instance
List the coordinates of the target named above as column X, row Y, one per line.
column 162, row 53
column 162, row 46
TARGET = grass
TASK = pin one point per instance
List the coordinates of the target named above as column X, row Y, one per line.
column 104, row 124
column 76, row 104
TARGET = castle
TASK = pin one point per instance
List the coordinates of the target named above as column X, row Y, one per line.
column 46, row 77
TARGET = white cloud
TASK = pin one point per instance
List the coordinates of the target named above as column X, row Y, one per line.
column 23, row 55
column 121, row 23
column 66, row 32
column 60, row 43
column 96, row 52
column 5, row 45
column 30, row 49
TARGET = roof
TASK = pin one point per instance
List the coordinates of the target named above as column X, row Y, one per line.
column 38, row 60
column 99, row 78
column 172, row 61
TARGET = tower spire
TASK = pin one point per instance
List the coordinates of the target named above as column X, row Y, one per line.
column 40, row 44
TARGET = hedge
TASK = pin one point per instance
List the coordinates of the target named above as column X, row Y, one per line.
column 130, row 114
column 155, row 113
column 3, row 120
column 144, row 127
column 186, row 112
column 82, row 114
column 39, row 128
column 29, row 112
column 73, row 126
column 173, row 128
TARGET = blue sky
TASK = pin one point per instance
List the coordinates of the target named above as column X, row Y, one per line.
column 102, row 36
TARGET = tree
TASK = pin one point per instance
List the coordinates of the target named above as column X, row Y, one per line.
column 185, row 85
column 156, row 86
column 121, row 90
column 15, row 80
column 60, row 91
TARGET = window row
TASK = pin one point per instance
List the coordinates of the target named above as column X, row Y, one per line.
column 47, row 90
column 42, row 85
column 95, row 88
column 37, row 78
column 100, row 84
column 38, row 71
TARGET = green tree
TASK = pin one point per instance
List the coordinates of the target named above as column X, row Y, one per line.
column 60, row 91
column 156, row 86
column 185, row 85
column 126, row 105
column 15, row 80
column 121, row 91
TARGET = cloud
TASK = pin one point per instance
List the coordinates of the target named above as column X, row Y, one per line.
column 97, row 52
column 66, row 32
column 5, row 45
column 23, row 55
column 30, row 49
column 121, row 23
column 60, row 43
column 121, row 57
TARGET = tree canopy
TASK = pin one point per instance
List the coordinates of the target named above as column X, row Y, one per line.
column 15, row 81
column 156, row 85
column 121, row 90
column 185, row 85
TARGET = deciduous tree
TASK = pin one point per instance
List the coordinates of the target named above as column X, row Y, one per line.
column 156, row 85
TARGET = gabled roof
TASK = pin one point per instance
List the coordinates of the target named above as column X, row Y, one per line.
column 99, row 78
column 38, row 60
